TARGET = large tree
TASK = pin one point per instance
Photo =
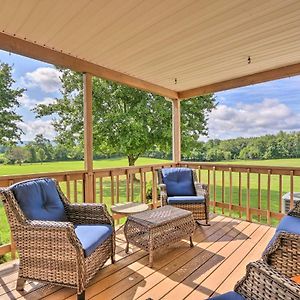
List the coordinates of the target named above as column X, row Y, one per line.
column 40, row 142
column 10, row 132
column 126, row 120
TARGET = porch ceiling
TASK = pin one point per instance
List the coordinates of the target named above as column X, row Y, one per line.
column 148, row 44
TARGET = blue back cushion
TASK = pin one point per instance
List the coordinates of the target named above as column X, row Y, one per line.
column 39, row 200
column 179, row 181
column 287, row 224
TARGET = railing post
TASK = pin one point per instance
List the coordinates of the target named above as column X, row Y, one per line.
column 88, row 138
column 176, row 131
column 248, row 214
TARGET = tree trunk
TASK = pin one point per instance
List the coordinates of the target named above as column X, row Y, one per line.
column 131, row 162
column 132, row 159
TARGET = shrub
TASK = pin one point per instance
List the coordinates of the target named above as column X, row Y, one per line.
column 149, row 192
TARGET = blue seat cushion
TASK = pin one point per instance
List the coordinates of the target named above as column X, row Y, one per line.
column 287, row 224
column 185, row 200
column 178, row 181
column 91, row 236
column 39, row 200
column 228, row 296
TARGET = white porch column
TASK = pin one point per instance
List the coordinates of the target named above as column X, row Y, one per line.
column 88, row 137
column 176, row 131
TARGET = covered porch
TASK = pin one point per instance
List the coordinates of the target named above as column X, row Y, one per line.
column 178, row 50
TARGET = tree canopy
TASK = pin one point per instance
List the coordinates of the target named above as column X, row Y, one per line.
column 281, row 145
column 125, row 120
column 10, row 132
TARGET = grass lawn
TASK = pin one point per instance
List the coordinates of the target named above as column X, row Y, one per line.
column 119, row 162
column 72, row 165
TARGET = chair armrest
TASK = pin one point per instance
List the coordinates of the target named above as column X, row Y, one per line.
column 163, row 193
column 262, row 282
column 201, row 189
column 49, row 225
column 295, row 212
column 283, row 254
column 89, row 213
column 37, row 238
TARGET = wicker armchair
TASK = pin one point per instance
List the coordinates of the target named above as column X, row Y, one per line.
column 65, row 244
column 180, row 187
column 262, row 282
column 283, row 251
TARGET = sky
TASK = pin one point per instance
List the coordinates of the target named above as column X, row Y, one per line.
column 255, row 110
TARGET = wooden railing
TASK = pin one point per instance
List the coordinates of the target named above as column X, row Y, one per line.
column 250, row 192
column 110, row 186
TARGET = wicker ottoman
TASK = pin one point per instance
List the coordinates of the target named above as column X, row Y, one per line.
column 158, row 228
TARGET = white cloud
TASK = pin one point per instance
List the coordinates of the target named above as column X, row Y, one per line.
column 32, row 128
column 46, row 78
column 266, row 117
column 30, row 103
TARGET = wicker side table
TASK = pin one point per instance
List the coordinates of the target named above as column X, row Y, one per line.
column 158, row 228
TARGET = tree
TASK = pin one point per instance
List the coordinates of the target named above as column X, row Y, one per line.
column 126, row 120
column 32, row 153
column 249, row 152
column 40, row 142
column 41, row 155
column 10, row 132
column 17, row 155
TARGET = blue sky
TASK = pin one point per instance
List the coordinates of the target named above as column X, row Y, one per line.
column 248, row 111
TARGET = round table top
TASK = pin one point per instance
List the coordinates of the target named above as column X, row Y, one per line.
column 129, row 208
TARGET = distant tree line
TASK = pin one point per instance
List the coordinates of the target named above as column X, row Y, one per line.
column 42, row 150
column 281, row 145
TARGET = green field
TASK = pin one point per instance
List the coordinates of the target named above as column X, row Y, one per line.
column 71, row 166
column 119, row 162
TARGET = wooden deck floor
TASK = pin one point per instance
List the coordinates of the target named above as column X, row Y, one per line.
column 212, row 267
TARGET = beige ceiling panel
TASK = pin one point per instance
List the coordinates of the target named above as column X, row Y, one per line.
column 199, row 42
column 228, row 57
column 223, row 43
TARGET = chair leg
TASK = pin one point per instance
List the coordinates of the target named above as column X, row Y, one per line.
column 127, row 248
column 81, row 296
column 113, row 259
column 203, row 224
column 20, row 284
column 191, row 242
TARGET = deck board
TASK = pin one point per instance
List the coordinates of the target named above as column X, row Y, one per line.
column 217, row 260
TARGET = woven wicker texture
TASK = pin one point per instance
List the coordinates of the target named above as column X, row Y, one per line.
column 262, row 282
column 284, row 254
column 295, row 211
column 50, row 251
column 200, row 211
column 158, row 228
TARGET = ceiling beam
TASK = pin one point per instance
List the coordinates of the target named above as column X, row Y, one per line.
column 19, row 46
column 287, row 71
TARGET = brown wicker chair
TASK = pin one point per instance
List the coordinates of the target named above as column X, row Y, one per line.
column 200, row 209
column 283, row 251
column 262, row 282
column 52, row 251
